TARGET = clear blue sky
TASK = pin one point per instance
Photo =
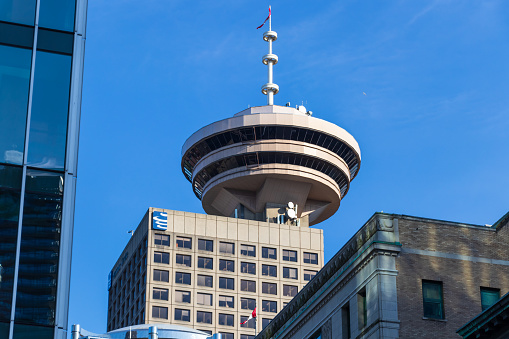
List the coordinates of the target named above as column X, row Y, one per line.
column 432, row 127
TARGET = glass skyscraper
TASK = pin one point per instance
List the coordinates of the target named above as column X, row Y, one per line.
column 41, row 66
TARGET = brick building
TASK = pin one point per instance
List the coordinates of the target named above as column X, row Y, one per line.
column 401, row 277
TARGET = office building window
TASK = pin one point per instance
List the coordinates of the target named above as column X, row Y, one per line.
column 226, row 265
column 204, row 280
column 248, row 250
column 183, row 296
column 226, row 335
column 247, row 336
column 345, row 322
column 206, row 263
column 247, row 304
column 226, row 301
column 205, row 245
column 289, row 255
column 269, row 306
column 269, row 270
column 160, row 294
column 308, row 275
column 182, row 315
column 184, row 242
column 204, row 317
column 161, row 257
column 269, row 253
column 159, row 312
column 183, row 260
column 249, row 324
column 204, row 299
column 225, row 319
column 269, row 288
column 289, row 290
column 362, row 308
column 265, row 322
column 310, row 258
column 161, row 239
column 226, row 283
column 489, row 296
column 226, row 247
column 249, row 268
column 248, row 286
column 290, row 273
column 433, row 299
column 183, row 278
column 160, row 275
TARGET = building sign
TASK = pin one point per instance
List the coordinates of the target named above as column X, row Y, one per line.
column 159, row 220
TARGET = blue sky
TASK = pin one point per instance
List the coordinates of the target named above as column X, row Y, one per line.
column 432, row 126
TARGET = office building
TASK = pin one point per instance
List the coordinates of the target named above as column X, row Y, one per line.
column 41, row 67
column 402, row 277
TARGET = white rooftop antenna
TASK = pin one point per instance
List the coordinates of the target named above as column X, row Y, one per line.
column 269, row 89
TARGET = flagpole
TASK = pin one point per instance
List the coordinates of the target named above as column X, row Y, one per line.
column 269, row 89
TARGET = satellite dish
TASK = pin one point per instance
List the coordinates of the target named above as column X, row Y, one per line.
column 291, row 214
column 290, row 205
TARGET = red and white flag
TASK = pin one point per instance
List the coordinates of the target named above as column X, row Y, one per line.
column 264, row 21
column 253, row 315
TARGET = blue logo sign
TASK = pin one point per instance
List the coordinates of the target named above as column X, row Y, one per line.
column 159, row 220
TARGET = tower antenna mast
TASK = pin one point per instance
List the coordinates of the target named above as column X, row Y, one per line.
column 269, row 89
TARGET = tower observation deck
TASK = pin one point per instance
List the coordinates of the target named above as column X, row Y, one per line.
column 271, row 163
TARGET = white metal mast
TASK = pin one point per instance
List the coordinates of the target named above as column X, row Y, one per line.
column 269, row 89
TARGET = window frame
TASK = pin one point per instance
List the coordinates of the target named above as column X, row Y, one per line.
column 186, row 242
column 287, row 257
column 431, row 301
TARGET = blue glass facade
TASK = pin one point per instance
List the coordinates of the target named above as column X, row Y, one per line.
column 41, row 64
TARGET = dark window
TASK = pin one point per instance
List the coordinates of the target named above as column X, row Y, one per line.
column 308, row 275
column 183, row 260
column 310, row 258
column 161, row 257
column 269, row 288
column 184, row 242
column 204, row 317
column 205, row 245
column 249, row 324
column 226, row 335
column 269, row 253
column 269, row 270
column 204, row 280
column 160, row 294
column 226, row 265
column 247, row 336
column 161, row 239
column 433, row 299
column 205, row 263
column 247, row 267
column 345, row 322
column 248, row 286
column 183, row 278
column 160, row 275
column 265, row 322
column 289, row 290
column 489, row 296
column 362, row 309
column 182, row 315
column 247, row 304
column 290, row 273
column 289, row 255
column 269, row 306
column 225, row 319
column 248, row 250
column 226, row 301
column 226, row 283
column 204, row 299
column 227, row 247
column 160, row 312
column 183, row 296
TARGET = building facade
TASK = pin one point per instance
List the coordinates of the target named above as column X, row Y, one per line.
column 401, row 277
column 209, row 272
column 41, row 66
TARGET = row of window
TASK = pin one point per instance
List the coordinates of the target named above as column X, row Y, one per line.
column 229, row 248
column 224, row 283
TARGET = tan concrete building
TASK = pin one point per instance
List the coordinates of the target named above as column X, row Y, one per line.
column 401, row 277
column 208, row 272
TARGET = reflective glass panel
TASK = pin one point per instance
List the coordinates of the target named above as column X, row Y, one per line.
column 57, row 14
column 10, row 193
column 14, row 84
column 48, row 127
column 22, row 331
column 40, row 244
column 18, row 11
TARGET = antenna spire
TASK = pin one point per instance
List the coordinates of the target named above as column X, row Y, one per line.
column 269, row 89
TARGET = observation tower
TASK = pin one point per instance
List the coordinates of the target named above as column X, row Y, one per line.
column 271, row 163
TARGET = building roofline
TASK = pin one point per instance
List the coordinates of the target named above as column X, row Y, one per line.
column 441, row 221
